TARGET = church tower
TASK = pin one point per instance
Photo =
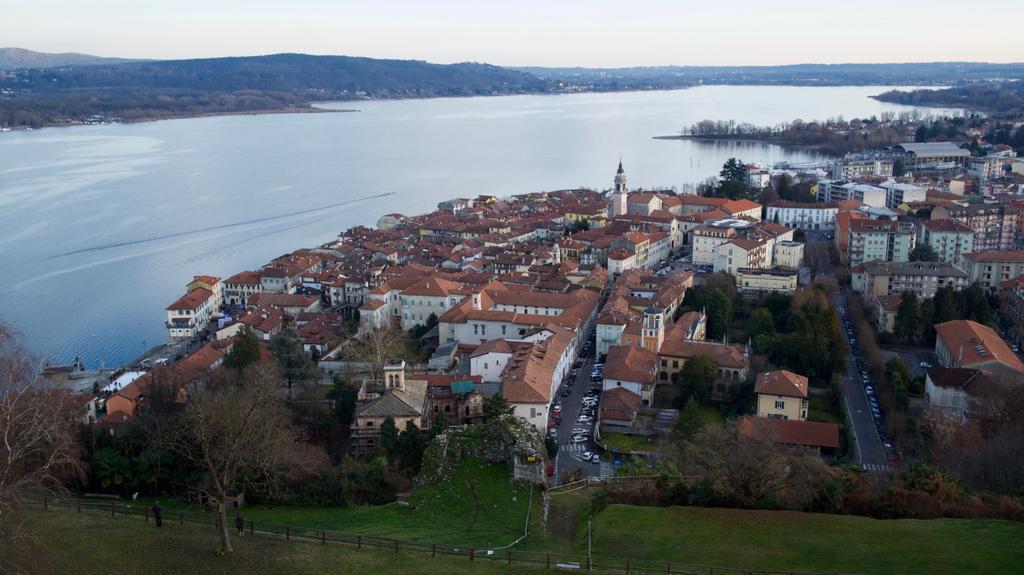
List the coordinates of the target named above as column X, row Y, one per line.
column 653, row 329
column 620, row 194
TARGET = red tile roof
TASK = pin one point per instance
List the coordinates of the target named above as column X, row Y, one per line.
column 192, row 300
column 792, row 431
column 781, row 382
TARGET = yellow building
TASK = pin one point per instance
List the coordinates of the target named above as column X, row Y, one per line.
column 781, row 394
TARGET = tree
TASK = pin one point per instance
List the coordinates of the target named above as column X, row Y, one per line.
column 344, row 394
column 924, row 252
column 907, row 329
column 689, row 422
column 745, row 466
column 698, row 374
column 719, row 315
column 375, row 347
column 899, row 168
column 410, row 447
column 761, row 322
column 945, row 305
column 389, row 437
column 245, row 351
column 295, row 364
column 237, row 433
column 38, row 441
column 733, row 170
column 497, row 406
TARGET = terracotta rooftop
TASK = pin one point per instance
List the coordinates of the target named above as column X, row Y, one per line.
column 631, row 363
column 782, row 383
column 192, row 300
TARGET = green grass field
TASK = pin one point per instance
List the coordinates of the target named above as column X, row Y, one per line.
column 626, row 442
column 479, row 507
column 790, row 541
column 818, row 409
column 94, row 544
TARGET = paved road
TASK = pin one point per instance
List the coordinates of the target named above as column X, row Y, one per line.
column 870, row 453
column 565, row 462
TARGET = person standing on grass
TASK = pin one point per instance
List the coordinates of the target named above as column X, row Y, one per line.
column 239, row 521
column 158, row 514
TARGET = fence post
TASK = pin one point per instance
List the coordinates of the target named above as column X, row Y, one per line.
column 359, row 542
column 471, row 553
column 252, row 527
column 509, row 557
column 396, row 545
column 145, row 513
column 588, row 564
column 111, row 508
column 323, row 536
column 627, row 566
column 287, row 533
column 181, row 518
column 547, row 561
column 78, row 506
column 433, row 550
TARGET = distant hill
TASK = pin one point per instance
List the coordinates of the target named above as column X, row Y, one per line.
column 316, row 77
column 181, row 88
column 15, row 58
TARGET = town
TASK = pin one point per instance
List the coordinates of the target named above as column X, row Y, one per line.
column 853, row 326
column 607, row 319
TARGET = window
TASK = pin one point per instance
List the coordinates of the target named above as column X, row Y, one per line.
column 369, row 424
column 780, row 405
column 447, row 409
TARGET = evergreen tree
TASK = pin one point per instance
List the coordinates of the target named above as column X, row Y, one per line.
column 761, row 322
column 389, row 438
column 496, row 406
column 945, row 305
column 719, row 315
column 409, row 449
column 698, row 374
column 344, row 395
column 295, row 364
column 907, row 328
column 924, row 253
column 245, row 350
column 689, row 422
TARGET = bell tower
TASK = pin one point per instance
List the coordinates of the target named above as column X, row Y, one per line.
column 620, row 194
column 653, row 329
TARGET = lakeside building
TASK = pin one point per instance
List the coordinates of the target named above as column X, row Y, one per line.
column 933, row 158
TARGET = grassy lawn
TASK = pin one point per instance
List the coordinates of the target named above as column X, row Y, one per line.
column 709, row 414
column 626, row 442
column 94, row 544
column 782, row 540
column 819, row 409
column 480, row 507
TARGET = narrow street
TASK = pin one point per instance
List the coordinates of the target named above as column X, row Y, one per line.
column 569, row 458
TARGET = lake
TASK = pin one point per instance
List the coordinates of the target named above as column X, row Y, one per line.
column 186, row 181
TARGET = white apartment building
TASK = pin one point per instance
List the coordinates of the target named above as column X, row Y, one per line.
column 805, row 216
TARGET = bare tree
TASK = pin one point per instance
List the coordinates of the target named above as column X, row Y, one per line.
column 375, row 347
column 238, row 434
column 747, row 467
column 38, row 446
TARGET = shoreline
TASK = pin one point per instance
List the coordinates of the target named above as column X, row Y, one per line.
column 815, row 147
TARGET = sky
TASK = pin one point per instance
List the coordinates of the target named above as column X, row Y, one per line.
column 594, row 33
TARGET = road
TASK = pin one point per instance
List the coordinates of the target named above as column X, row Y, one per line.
column 870, row 453
column 565, row 462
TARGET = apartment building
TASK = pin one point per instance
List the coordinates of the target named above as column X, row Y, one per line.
column 880, row 278
column 950, row 239
column 991, row 268
column 887, row 240
column 994, row 225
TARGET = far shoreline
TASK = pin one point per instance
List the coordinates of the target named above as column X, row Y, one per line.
column 814, row 147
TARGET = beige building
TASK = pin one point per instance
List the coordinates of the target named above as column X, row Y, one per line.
column 781, row 394
column 789, row 255
column 923, row 279
column 765, row 280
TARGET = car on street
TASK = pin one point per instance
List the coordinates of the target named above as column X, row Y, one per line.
column 579, row 439
column 584, row 419
column 926, row 365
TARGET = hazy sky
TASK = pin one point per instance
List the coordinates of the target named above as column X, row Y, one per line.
column 597, row 33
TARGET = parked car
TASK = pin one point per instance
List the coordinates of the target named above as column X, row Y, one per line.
column 927, row 365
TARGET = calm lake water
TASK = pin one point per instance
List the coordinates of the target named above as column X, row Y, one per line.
column 69, row 189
